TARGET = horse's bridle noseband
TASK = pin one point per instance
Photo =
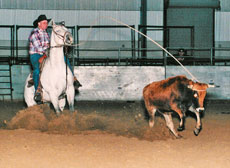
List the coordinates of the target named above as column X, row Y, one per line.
column 63, row 37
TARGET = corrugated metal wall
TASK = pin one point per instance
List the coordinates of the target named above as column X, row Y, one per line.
column 222, row 33
column 120, row 5
column 194, row 3
column 84, row 12
column 225, row 5
column 222, row 26
column 84, row 17
column 96, row 38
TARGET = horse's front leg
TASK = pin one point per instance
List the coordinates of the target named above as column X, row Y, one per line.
column 70, row 93
column 55, row 102
column 61, row 103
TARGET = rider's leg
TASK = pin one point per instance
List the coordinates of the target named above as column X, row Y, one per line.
column 36, row 71
column 76, row 83
column 68, row 63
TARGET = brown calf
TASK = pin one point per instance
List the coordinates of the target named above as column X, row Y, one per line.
column 175, row 94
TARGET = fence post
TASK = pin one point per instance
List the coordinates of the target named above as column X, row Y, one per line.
column 211, row 53
column 119, row 56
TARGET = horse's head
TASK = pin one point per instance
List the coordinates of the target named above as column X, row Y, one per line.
column 60, row 34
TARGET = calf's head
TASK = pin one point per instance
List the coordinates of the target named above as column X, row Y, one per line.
column 199, row 94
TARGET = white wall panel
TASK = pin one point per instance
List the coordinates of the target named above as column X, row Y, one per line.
column 126, row 83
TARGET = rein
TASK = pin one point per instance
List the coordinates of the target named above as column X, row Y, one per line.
column 62, row 37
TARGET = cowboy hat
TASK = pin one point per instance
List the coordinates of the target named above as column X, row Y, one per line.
column 39, row 19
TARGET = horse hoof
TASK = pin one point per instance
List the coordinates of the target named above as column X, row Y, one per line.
column 180, row 128
column 58, row 114
column 196, row 131
column 179, row 136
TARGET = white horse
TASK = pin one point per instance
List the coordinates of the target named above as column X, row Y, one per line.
column 55, row 78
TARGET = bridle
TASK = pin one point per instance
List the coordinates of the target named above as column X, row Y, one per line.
column 62, row 37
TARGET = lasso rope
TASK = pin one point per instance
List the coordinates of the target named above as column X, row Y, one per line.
column 121, row 23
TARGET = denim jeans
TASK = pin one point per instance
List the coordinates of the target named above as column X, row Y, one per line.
column 68, row 63
column 36, row 71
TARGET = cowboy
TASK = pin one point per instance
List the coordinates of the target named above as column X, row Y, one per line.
column 39, row 43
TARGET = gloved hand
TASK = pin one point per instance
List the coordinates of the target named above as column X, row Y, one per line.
column 42, row 58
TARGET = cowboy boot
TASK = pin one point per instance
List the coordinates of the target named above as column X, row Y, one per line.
column 38, row 94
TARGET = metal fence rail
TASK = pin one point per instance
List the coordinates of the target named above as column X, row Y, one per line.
column 14, row 52
column 125, row 57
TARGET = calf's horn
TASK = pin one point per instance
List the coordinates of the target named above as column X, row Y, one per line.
column 212, row 85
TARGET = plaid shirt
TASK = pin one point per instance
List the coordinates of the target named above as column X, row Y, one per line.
column 39, row 41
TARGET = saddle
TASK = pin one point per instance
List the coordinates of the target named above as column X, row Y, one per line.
column 77, row 84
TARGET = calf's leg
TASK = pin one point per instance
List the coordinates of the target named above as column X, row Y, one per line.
column 181, row 115
column 198, row 121
column 152, row 116
column 170, row 125
column 151, row 111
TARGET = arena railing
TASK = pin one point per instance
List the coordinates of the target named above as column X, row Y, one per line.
column 155, row 57
column 125, row 57
column 7, row 46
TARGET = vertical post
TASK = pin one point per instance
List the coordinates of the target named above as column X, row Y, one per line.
column 138, row 42
column 77, row 29
column 119, row 56
column 75, row 42
column 143, row 21
column 211, row 54
column 165, row 31
column 165, row 62
column 16, row 41
column 133, row 43
column 12, row 44
column 192, row 41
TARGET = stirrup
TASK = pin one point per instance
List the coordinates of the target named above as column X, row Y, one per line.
column 38, row 98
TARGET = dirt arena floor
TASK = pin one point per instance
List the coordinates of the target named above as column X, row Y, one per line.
column 110, row 135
